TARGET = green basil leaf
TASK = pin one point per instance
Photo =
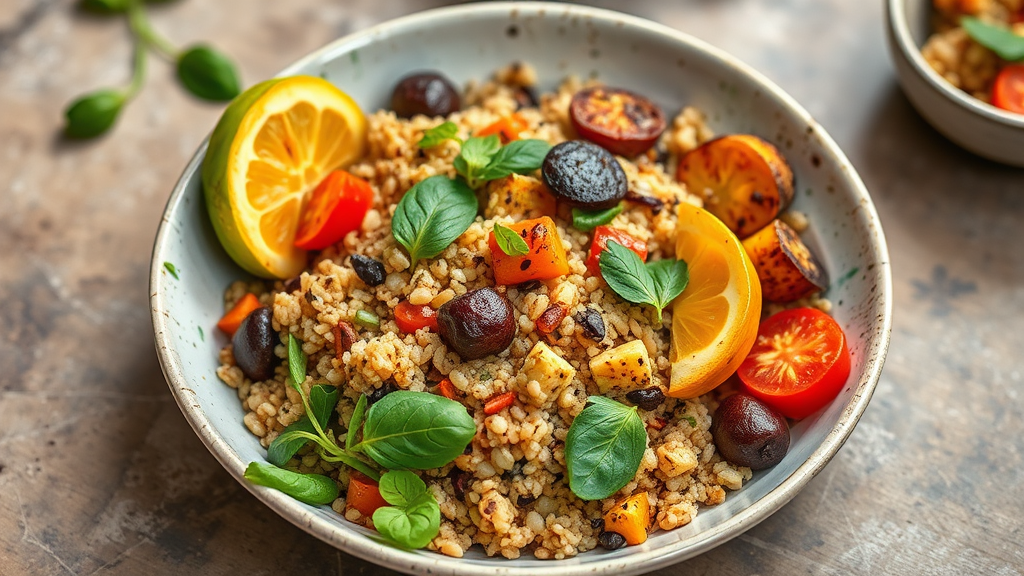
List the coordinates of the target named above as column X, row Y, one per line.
column 604, row 447
column 509, row 241
column 308, row 488
column 587, row 221
column 413, row 526
column 438, row 134
column 289, row 441
column 432, row 214
column 208, row 74
column 357, row 420
column 401, row 487
column 93, row 114
column 691, row 420
column 998, row 39
column 626, row 274
column 670, row 279
column 322, row 401
column 476, row 154
column 296, row 362
column 518, row 156
column 415, row 430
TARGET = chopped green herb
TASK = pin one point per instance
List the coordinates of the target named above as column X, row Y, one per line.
column 367, row 319
column 172, row 269
column 438, row 134
column 691, row 420
column 509, row 242
column 202, row 336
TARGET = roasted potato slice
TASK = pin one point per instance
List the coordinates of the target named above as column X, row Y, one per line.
column 520, row 196
column 787, row 268
column 744, row 181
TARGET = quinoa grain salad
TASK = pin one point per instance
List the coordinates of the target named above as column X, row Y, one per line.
column 508, row 322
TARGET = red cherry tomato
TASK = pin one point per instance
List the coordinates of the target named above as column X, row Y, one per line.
column 411, row 317
column 602, row 234
column 364, row 494
column 1008, row 89
column 336, row 207
column 799, row 362
column 619, row 121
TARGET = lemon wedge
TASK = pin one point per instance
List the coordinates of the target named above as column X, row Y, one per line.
column 272, row 146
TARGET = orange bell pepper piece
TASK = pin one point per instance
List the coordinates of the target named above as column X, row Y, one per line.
column 545, row 260
column 631, row 518
column 230, row 322
column 507, row 128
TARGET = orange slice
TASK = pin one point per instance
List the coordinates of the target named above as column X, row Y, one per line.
column 272, row 146
column 714, row 321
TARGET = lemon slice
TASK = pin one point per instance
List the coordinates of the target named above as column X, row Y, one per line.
column 714, row 321
column 272, row 146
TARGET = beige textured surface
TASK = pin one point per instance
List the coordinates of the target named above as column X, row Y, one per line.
column 100, row 473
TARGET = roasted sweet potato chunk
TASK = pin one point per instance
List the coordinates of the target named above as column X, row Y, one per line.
column 787, row 268
column 744, row 181
column 519, row 196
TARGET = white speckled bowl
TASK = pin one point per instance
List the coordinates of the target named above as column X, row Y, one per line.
column 972, row 124
column 470, row 42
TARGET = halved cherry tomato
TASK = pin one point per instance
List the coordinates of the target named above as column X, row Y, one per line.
column 1008, row 89
column 230, row 322
column 336, row 207
column 602, row 234
column 507, row 128
column 799, row 362
column 411, row 317
column 363, row 494
column 617, row 120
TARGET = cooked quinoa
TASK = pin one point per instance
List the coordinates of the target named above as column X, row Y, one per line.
column 508, row 492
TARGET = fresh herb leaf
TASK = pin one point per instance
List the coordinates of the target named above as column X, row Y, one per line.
column 208, row 74
column 289, row 441
column 358, row 415
column 656, row 283
column 998, row 39
column 202, row 335
column 415, row 430
column 438, row 134
column 414, row 518
column 587, row 221
column 172, row 269
column 518, row 156
column 296, row 362
column 93, row 114
column 432, row 214
column 509, row 241
column 401, row 487
column 691, row 420
column 476, row 154
column 604, row 447
column 322, row 400
column 309, row 488
column 367, row 319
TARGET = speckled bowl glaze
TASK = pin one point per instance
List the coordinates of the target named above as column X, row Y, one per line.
column 469, row 42
column 970, row 123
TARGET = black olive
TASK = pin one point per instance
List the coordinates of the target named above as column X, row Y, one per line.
column 597, row 523
column 584, row 175
column 525, row 97
column 253, row 345
column 592, row 323
column 525, row 500
column 477, row 324
column 651, row 202
column 293, row 284
column 379, row 393
column 749, row 433
column 648, row 398
column 611, row 540
column 427, row 93
column 369, row 270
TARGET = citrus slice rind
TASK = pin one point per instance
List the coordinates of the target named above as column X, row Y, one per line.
column 715, row 319
column 271, row 148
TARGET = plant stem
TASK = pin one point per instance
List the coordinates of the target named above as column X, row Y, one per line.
column 144, row 32
column 353, row 462
column 138, row 71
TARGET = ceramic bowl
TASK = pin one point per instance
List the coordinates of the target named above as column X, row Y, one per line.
column 972, row 124
column 469, row 42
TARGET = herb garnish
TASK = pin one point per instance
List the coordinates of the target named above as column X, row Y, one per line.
column 431, row 215
column 691, row 420
column 509, row 241
column 414, row 518
column 587, row 221
column 172, row 269
column 998, row 39
column 655, row 283
column 604, row 447
column 484, row 159
column 309, row 488
column 367, row 319
column 438, row 134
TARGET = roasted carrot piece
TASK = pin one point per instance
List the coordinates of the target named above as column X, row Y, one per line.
column 507, row 128
column 233, row 319
column 544, row 261
column 447, row 389
column 500, row 402
column 631, row 518
column 363, row 494
column 787, row 268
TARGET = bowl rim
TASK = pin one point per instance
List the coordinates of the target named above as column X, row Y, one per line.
column 912, row 52
column 642, row 560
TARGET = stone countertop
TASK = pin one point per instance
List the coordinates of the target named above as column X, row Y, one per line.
column 101, row 474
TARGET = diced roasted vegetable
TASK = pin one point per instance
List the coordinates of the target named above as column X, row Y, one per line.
column 519, row 196
column 631, row 518
column 507, row 128
column 363, row 494
column 545, row 260
column 787, row 268
column 625, row 367
column 744, row 181
column 550, row 370
column 233, row 319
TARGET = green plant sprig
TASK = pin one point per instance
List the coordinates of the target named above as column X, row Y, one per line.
column 203, row 71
